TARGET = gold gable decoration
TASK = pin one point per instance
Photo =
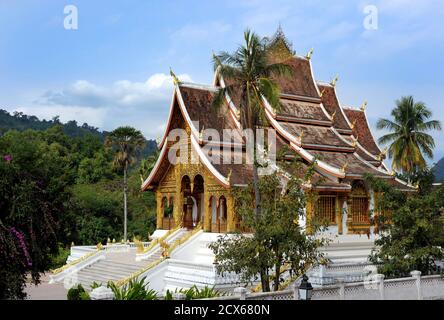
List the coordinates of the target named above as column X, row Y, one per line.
column 279, row 46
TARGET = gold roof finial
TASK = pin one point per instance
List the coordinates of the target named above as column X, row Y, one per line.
column 201, row 133
column 364, row 106
column 309, row 54
column 355, row 142
column 322, row 92
column 301, row 136
column 354, row 124
column 345, row 166
column 229, row 175
column 333, row 116
column 334, row 81
column 176, row 80
column 392, row 173
column 381, row 156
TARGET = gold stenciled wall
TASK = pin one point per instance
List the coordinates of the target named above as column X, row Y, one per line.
column 170, row 187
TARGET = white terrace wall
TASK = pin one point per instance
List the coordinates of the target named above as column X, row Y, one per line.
column 376, row 288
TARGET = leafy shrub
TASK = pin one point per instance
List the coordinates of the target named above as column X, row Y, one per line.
column 194, row 293
column 134, row 290
column 59, row 259
column 95, row 285
column 77, row 293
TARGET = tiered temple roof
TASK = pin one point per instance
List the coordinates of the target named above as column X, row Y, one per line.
column 312, row 123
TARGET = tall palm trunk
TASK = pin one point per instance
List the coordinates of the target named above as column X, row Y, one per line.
column 257, row 194
column 125, row 207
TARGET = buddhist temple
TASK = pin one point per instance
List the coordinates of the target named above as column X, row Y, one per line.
column 313, row 125
column 194, row 178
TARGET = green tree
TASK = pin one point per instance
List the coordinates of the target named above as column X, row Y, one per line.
column 34, row 179
column 407, row 137
column 126, row 142
column 411, row 229
column 277, row 240
column 248, row 73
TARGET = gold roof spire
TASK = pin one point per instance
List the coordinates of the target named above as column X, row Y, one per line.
column 176, row 80
column 364, row 106
column 309, row 54
column 334, row 81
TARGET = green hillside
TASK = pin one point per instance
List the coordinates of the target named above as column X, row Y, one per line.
column 20, row 121
column 439, row 171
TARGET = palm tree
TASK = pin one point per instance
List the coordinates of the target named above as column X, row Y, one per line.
column 126, row 142
column 248, row 72
column 408, row 138
column 146, row 165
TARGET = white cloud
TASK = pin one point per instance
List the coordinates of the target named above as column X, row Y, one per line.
column 122, row 93
column 143, row 105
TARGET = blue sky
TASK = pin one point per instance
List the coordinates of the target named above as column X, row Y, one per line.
column 113, row 70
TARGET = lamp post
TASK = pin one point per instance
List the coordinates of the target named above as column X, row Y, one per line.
column 305, row 289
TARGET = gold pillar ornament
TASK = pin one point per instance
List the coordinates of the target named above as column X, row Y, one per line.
column 231, row 224
column 207, row 212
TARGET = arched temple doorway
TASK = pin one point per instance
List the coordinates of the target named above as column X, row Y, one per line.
column 168, row 209
column 193, row 195
column 219, row 215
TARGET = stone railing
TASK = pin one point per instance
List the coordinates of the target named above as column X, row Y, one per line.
column 159, row 240
column 178, row 242
column 167, row 250
column 374, row 288
column 77, row 261
column 60, row 274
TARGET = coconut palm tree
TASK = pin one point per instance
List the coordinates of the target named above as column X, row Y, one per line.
column 408, row 139
column 146, row 165
column 248, row 73
column 126, row 142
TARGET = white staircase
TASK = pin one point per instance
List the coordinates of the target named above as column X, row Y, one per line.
column 113, row 263
column 115, row 266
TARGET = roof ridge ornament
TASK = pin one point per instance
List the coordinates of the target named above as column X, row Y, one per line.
column 301, row 136
column 354, row 124
column 382, row 155
column 364, row 106
column 355, row 142
column 229, row 175
column 345, row 166
column 309, row 54
column 176, row 80
column 334, row 81
column 333, row 116
column 201, row 133
column 322, row 92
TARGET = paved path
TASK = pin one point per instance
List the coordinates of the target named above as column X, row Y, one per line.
column 46, row 291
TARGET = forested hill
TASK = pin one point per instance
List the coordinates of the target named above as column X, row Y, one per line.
column 20, row 121
column 439, row 171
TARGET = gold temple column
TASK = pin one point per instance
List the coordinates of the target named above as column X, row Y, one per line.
column 159, row 211
column 339, row 205
column 207, row 212
column 309, row 213
column 231, row 225
column 178, row 204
